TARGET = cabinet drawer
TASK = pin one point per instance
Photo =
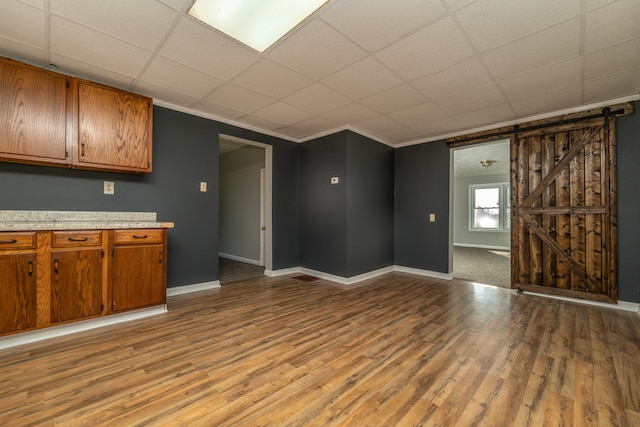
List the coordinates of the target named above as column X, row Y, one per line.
column 147, row 235
column 17, row 240
column 61, row 239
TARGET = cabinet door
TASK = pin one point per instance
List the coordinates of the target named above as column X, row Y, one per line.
column 33, row 114
column 76, row 284
column 138, row 277
column 17, row 291
column 114, row 128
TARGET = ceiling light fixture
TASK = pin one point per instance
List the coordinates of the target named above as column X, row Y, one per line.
column 256, row 23
column 487, row 163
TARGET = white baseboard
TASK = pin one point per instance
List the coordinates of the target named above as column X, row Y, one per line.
column 83, row 325
column 239, row 258
column 471, row 245
column 283, row 272
column 622, row 305
column 427, row 273
column 359, row 278
column 196, row 287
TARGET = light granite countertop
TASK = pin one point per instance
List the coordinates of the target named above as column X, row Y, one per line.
column 77, row 220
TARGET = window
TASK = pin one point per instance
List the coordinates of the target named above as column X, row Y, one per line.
column 490, row 207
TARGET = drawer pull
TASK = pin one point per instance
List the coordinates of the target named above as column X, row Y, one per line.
column 55, row 265
column 78, row 239
column 9, row 241
column 135, row 236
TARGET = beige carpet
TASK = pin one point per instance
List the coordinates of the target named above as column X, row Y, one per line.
column 487, row 266
column 231, row 271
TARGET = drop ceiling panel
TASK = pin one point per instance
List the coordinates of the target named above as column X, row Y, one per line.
column 169, row 74
column 611, row 24
column 332, row 54
column 600, row 89
column 560, row 42
column 22, row 23
column 557, row 99
column 315, row 124
column 179, row 5
column 90, row 72
column 621, row 57
column 438, row 127
column 271, row 79
column 239, row 98
column 432, row 49
column 477, row 118
column 379, row 124
column 94, row 48
column 418, row 115
column 120, row 19
column 394, row 99
column 472, row 99
column 375, row 24
column 167, row 95
column 458, row 78
column 218, row 110
column 282, row 113
column 362, row 79
column 317, row 99
column 398, row 135
column 493, row 23
column 26, row 53
column 351, row 113
column 197, row 46
column 547, row 78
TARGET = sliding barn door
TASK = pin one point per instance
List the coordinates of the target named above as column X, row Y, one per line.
column 564, row 220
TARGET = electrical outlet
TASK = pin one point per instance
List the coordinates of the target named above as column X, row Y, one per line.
column 335, row 180
column 109, row 187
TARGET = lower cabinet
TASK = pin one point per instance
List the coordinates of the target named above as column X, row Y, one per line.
column 139, row 278
column 51, row 277
column 18, row 288
column 76, row 275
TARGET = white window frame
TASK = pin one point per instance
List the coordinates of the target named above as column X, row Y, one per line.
column 504, row 206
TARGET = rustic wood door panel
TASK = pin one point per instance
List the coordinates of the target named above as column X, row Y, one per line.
column 564, row 214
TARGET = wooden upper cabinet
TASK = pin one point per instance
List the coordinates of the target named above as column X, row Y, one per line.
column 35, row 106
column 114, row 129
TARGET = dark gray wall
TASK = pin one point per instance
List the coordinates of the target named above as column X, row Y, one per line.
column 185, row 152
column 323, row 206
column 422, row 187
column 369, row 205
column 628, row 140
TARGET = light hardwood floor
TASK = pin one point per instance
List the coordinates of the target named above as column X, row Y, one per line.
column 400, row 350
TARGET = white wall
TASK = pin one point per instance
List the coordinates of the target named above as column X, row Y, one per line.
column 240, row 203
column 462, row 236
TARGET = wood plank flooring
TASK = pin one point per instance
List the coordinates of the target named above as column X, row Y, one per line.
column 398, row 350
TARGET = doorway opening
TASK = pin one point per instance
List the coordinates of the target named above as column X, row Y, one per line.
column 480, row 194
column 245, row 237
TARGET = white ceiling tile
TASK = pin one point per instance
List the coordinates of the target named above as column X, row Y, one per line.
column 400, row 135
column 180, row 5
column 22, row 23
column 472, row 99
column 282, row 113
column 317, row 99
column 332, row 54
column 378, row 125
column 486, row 116
column 239, row 98
column 167, row 95
column 438, row 127
column 594, row 4
column 36, row 3
column 457, row 4
column 549, row 101
column 21, row 52
column 362, row 79
column 218, row 110
column 271, row 79
column 613, row 86
column 554, row 76
column 458, row 78
column 293, row 132
column 259, row 122
column 612, row 24
column 141, row 22
column 99, row 75
column 316, row 124
column 198, row 46
column 351, row 113
column 167, row 73
column 394, row 99
column 432, row 49
column 418, row 115
column 492, row 23
column 614, row 59
column 84, row 45
column 374, row 25
column 542, row 48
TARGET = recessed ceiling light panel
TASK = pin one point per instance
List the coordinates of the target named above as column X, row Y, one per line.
column 256, row 23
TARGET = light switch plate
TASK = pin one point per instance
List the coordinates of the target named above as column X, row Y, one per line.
column 203, row 186
column 432, row 217
column 109, row 187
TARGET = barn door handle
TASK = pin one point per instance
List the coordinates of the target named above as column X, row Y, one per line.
column 55, row 264
column 9, row 241
column 78, row 239
column 30, row 267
